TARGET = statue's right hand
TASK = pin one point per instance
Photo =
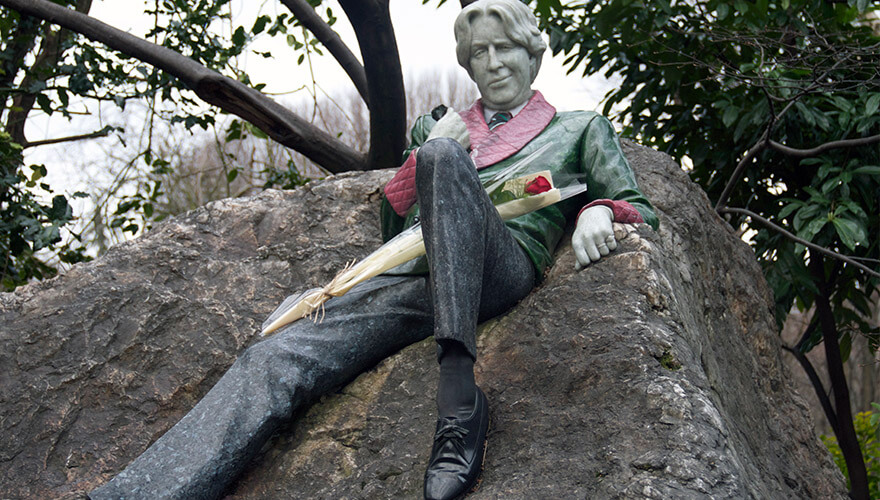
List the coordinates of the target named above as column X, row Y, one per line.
column 452, row 126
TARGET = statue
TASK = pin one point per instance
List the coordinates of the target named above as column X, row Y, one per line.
column 476, row 267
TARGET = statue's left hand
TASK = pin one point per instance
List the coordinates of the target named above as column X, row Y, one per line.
column 452, row 126
column 593, row 236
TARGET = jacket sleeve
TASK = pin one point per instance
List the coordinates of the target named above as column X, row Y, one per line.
column 609, row 174
column 399, row 193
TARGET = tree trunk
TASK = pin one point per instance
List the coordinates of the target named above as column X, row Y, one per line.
column 371, row 20
column 846, row 437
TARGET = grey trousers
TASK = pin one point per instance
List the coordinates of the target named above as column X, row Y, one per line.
column 477, row 271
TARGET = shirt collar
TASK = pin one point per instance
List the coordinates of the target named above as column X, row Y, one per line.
column 488, row 113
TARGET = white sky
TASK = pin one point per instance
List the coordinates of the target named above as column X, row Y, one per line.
column 425, row 40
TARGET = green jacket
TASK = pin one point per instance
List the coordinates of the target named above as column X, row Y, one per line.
column 582, row 142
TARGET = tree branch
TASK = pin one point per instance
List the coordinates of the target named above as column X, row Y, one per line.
column 17, row 48
column 307, row 16
column 765, row 139
column 811, row 246
column 47, row 57
column 230, row 95
column 807, row 153
column 818, row 388
column 737, row 172
column 100, row 133
column 371, row 20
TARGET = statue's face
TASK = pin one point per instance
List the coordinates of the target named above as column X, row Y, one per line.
column 500, row 67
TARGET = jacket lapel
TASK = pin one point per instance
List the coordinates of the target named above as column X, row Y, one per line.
column 490, row 147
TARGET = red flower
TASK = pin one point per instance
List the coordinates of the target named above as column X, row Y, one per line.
column 538, row 186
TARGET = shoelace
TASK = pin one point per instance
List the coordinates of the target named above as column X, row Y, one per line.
column 454, row 433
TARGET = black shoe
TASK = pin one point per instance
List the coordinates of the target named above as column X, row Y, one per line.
column 457, row 455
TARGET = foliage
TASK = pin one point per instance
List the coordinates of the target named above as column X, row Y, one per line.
column 867, row 425
column 57, row 72
column 708, row 80
column 27, row 225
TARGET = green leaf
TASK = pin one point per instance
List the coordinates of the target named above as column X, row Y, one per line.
column 239, row 37
column 787, row 210
column 845, row 346
column 260, row 24
column 231, row 175
column 872, row 104
column 741, row 6
column 850, row 232
column 830, row 184
column 813, row 228
column 60, row 209
column 730, row 115
column 867, row 170
column 44, row 103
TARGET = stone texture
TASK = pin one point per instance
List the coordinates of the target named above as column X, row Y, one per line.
column 655, row 373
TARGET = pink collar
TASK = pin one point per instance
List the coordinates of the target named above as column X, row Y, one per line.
column 490, row 147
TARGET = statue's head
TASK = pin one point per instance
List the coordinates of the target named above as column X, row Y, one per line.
column 500, row 46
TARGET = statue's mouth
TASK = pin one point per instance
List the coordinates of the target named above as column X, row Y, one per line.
column 499, row 81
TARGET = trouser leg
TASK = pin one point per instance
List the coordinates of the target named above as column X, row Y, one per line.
column 478, row 271
column 204, row 452
column 477, row 268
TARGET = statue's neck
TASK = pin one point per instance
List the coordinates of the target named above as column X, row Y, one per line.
column 488, row 112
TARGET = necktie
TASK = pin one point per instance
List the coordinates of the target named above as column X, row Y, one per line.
column 499, row 118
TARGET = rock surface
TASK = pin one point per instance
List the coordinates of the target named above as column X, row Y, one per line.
column 655, row 373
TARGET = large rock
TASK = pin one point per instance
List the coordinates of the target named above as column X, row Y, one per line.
column 655, row 373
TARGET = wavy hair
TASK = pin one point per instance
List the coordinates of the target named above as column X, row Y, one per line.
column 519, row 24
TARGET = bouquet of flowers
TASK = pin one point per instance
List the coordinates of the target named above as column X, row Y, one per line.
column 512, row 196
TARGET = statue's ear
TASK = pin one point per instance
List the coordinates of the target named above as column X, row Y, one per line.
column 534, row 64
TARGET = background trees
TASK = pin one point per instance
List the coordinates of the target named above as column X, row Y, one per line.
column 773, row 107
column 182, row 61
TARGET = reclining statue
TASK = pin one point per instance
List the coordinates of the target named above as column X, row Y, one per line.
column 477, row 266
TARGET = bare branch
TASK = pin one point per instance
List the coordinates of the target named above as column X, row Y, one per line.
column 811, row 246
column 100, row 133
column 818, row 388
column 307, row 16
column 807, row 153
column 765, row 139
column 737, row 172
column 227, row 94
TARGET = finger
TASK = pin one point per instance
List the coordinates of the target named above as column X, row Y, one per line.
column 603, row 249
column 593, row 252
column 580, row 253
column 611, row 241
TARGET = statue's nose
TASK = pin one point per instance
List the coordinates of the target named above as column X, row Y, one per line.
column 494, row 61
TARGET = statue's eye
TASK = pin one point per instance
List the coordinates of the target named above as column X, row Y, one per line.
column 479, row 52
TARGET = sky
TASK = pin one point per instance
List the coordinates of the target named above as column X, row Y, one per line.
column 426, row 45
